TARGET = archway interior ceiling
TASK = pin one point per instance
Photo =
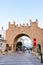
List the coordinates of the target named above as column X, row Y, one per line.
column 21, row 35
column 18, row 36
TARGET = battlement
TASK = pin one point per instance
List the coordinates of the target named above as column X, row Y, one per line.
column 32, row 24
column 16, row 25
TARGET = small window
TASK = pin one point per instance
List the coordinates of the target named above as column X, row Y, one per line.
column 0, row 35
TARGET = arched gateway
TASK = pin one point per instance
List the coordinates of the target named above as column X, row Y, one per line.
column 16, row 38
column 33, row 31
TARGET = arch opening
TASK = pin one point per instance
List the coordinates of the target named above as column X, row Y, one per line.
column 23, row 40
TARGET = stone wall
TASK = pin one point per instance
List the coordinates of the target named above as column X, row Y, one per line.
column 33, row 31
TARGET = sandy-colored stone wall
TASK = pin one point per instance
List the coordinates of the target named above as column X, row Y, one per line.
column 32, row 31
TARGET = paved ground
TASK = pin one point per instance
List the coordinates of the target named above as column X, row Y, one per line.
column 19, row 59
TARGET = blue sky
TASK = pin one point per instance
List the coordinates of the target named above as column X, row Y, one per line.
column 20, row 11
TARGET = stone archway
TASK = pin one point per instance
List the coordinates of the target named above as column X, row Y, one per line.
column 16, row 38
column 33, row 30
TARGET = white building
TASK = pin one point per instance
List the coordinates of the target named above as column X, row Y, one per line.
column 2, row 39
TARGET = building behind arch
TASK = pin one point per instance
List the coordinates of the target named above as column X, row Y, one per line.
column 2, row 40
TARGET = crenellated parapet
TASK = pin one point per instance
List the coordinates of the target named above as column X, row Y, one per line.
column 32, row 24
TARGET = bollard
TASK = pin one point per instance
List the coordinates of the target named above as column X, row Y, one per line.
column 41, row 58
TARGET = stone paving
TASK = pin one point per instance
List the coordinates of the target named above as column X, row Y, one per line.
column 19, row 59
